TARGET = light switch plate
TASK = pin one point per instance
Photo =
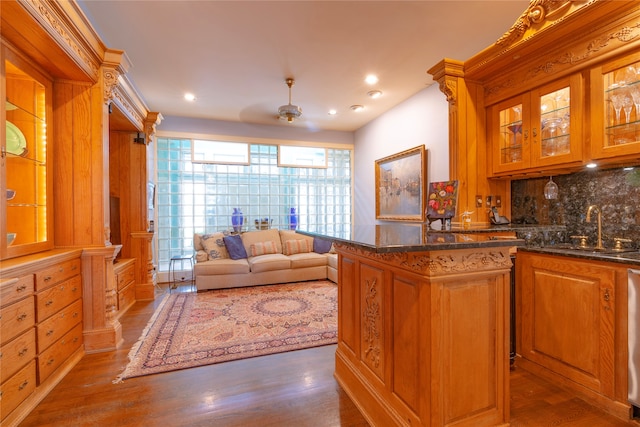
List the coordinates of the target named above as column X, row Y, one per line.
column 479, row 201
column 489, row 201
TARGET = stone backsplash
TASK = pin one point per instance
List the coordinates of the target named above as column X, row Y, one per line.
column 615, row 191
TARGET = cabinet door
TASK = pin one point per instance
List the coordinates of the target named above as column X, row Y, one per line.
column 567, row 319
column 538, row 129
column 557, row 127
column 26, row 183
column 509, row 126
column 616, row 109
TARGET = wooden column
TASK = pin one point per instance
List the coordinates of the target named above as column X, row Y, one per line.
column 141, row 246
column 468, row 146
column 102, row 330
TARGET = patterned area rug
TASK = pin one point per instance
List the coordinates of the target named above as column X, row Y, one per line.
column 195, row 329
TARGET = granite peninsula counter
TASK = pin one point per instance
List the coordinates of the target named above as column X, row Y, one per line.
column 423, row 325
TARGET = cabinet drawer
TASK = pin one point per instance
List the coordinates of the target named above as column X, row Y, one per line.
column 126, row 276
column 126, row 297
column 51, row 300
column 59, row 324
column 56, row 273
column 17, row 388
column 17, row 353
column 58, row 353
column 15, row 291
column 16, row 318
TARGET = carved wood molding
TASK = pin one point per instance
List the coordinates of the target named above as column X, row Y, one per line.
column 441, row 262
column 371, row 317
column 449, row 86
column 537, row 12
column 624, row 34
column 55, row 20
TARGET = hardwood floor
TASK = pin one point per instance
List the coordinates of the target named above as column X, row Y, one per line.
column 287, row 389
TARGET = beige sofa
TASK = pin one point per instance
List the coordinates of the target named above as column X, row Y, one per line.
column 272, row 256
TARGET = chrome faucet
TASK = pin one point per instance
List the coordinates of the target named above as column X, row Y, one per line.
column 599, row 212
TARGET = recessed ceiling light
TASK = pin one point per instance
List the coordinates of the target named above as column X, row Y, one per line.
column 371, row 79
column 374, row 94
column 189, row 97
column 332, row 112
column 357, row 108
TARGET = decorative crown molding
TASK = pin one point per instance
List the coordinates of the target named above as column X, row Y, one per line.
column 537, row 12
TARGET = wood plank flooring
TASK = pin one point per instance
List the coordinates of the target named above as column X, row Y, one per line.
column 288, row 389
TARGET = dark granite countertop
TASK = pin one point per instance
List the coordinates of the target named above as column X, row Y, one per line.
column 515, row 228
column 383, row 238
column 632, row 257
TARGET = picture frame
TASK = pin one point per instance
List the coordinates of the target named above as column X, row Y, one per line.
column 401, row 185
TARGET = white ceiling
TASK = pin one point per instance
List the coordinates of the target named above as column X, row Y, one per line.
column 235, row 55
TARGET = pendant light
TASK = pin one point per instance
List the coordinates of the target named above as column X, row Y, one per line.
column 289, row 112
column 551, row 190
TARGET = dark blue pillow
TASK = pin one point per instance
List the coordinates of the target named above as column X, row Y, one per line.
column 235, row 247
column 321, row 246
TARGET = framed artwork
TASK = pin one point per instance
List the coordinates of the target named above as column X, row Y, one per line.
column 443, row 197
column 401, row 186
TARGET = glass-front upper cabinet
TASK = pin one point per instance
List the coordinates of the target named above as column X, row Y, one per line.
column 616, row 100
column 26, row 177
column 538, row 129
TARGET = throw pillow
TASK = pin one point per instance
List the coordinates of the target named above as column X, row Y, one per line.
column 235, row 247
column 321, row 246
column 214, row 246
column 264, row 248
column 299, row 246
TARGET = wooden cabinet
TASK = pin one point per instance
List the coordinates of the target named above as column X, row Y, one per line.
column 41, row 330
column 125, row 270
column 26, row 181
column 540, row 128
column 17, row 343
column 569, row 325
column 615, row 95
column 423, row 336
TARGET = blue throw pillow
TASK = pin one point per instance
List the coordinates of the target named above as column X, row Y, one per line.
column 321, row 246
column 235, row 247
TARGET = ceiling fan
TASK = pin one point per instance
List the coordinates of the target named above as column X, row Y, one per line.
column 289, row 112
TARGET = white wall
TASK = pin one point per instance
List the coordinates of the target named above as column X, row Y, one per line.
column 421, row 119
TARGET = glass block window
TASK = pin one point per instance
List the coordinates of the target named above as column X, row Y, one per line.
column 200, row 197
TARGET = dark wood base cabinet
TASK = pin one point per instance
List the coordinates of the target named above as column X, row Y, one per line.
column 424, row 336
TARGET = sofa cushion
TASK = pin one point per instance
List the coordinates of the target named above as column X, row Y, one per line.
column 221, row 266
column 332, row 260
column 251, row 237
column 235, row 247
column 269, row 262
column 321, row 246
column 201, row 256
column 298, row 246
column 214, row 246
column 309, row 259
column 263, row 248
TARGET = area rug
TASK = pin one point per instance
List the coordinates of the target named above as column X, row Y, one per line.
column 196, row 329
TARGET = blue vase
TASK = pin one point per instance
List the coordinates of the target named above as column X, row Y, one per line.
column 293, row 219
column 237, row 220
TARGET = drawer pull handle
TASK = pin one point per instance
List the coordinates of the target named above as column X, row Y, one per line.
column 75, row 314
column 0, row 355
column 50, row 361
column 50, row 332
column 48, row 303
column 47, row 278
column 23, row 352
column 21, row 288
column 607, row 297
column 22, row 317
column 61, row 269
column 75, row 339
column 75, row 288
column 23, row 385
column 74, row 267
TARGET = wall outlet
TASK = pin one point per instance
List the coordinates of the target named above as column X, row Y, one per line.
column 479, row 201
column 498, row 201
column 489, row 201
